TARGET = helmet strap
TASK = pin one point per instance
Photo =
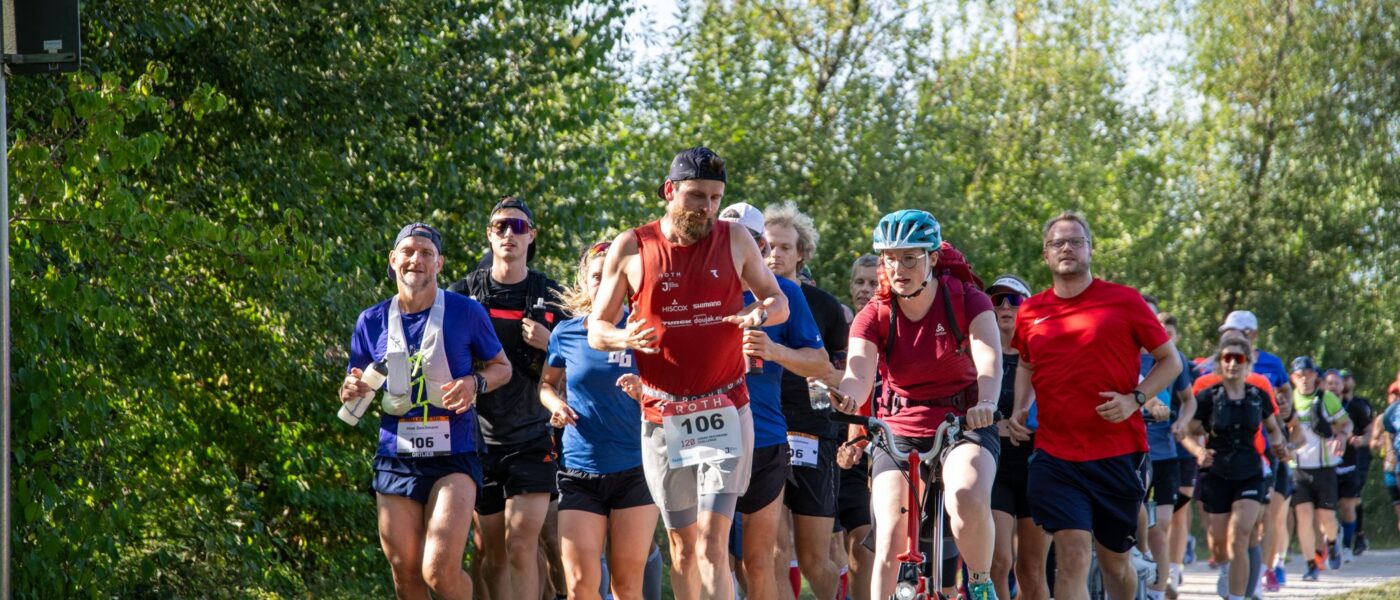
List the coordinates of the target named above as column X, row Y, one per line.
column 922, row 286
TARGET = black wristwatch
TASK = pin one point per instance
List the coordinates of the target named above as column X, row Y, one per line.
column 1140, row 397
column 480, row 383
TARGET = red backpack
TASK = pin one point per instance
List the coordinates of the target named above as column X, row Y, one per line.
column 954, row 275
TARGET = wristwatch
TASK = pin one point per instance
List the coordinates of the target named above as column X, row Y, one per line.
column 1140, row 397
column 480, row 383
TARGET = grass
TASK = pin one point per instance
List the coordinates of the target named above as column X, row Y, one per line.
column 1388, row 591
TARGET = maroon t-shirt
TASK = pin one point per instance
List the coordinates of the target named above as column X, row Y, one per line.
column 926, row 364
column 1079, row 347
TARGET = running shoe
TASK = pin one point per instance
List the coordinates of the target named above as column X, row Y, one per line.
column 1359, row 546
column 1190, row 556
column 1269, row 582
column 1222, row 583
column 1281, row 576
column 1320, row 559
column 982, row 591
column 1334, row 555
column 1312, row 572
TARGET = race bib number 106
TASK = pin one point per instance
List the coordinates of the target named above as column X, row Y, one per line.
column 699, row 431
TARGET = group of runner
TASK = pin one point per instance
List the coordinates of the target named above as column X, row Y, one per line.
column 675, row 379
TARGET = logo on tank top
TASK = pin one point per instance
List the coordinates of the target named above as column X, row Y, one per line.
column 667, row 286
column 940, row 330
column 675, row 307
column 715, row 273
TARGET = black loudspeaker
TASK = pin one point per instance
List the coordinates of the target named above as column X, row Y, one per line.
column 41, row 36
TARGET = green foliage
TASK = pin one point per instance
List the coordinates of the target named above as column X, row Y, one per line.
column 200, row 214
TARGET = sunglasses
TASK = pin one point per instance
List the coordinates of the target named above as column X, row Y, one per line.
column 596, row 249
column 514, row 225
column 1233, row 357
column 1011, row 298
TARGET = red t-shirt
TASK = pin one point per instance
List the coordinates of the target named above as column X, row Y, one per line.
column 1079, row 347
column 1254, row 379
column 927, row 364
column 686, row 293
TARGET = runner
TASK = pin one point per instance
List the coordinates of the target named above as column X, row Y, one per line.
column 685, row 275
column 1019, row 541
column 795, row 343
column 853, row 503
column 426, row 470
column 1323, row 426
column 1230, row 414
column 1186, row 481
column 518, row 464
column 1389, row 443
column 1276, row 530
column 1356, row 464
column 931, row 334
column 1079, row 343
column 602, row 492
column 812, row 488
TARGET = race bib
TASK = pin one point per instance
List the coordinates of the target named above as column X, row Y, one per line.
column 703, row 430
column 418, row 438
column 803, row 448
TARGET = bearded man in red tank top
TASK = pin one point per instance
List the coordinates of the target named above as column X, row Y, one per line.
column 685, row 275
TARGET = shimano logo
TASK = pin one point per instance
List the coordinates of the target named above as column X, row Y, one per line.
column 712, row 304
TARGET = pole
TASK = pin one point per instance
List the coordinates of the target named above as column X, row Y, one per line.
column 4, row 341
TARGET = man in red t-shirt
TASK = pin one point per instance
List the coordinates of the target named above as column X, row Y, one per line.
column 1079, row 343
column 685, row 274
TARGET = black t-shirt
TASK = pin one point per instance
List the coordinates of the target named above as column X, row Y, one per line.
column 512, row 414
column 1361, row 414
column 797, row 406
column 1231, row 425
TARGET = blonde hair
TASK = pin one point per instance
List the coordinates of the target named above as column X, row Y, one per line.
column 575, row 299
column 786, row 213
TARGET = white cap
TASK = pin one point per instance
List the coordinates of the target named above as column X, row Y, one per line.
column 744, row 214
column 1242, row 320
column 1011, row 282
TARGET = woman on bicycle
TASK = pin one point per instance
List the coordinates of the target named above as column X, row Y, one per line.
column 602, row 494
column 932, row 336
column 1230, row 414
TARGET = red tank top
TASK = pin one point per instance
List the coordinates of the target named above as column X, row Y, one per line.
column 685, row 293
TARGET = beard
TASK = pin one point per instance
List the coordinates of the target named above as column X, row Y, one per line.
column 1078, row 268
column 692, row 225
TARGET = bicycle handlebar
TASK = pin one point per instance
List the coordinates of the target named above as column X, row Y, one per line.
column 951, row 426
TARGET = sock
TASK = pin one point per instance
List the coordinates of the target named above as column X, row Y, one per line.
column 1278, row 560
column 651, row 579
column 795, row 578
column 1256, row 564
column 1176, row 570
column 842, row 587
column 982, row 577
column 1360, row 515
column 1348, row 533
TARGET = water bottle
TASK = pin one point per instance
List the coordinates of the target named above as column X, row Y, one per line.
column 819, row 396
column 755, row 363
column 373, row 376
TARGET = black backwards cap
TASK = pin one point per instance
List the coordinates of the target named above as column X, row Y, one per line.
column 695, row 163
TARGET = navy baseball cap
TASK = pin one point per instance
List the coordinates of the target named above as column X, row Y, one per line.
column 422, row 230
column 694, row 163
column 1302, row 363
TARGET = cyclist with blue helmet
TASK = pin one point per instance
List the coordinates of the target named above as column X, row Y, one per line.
column 931, row 334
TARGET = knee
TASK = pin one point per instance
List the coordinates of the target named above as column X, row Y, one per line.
column 521, row 551
column 972, row 501
column 1001, row 559
column 812, row 556
column 712, row 550
column 682, row 554
column 440, row 574
column 1074, row 562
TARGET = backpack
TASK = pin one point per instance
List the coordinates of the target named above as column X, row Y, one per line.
column 953, row 275
column 1321, row 424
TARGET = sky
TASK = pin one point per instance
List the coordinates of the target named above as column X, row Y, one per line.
column 1148, row 79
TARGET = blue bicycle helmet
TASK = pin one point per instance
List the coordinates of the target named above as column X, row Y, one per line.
column 908, row 228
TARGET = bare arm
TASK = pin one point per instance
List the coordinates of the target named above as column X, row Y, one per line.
column 622, row 261
column 552, row 397
column 757, row 278
column 1188, row 410
column 861, row 359
column 1024, row 395
column 1275, row 437
column 985, row 340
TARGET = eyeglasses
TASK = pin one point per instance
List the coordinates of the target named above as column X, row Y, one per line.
column 1073, row 243
column 907, row 261
column 1233, row 357
column 515, row 225
column 1007, row 298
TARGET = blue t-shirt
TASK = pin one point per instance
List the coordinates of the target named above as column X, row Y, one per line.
column 1160, row 442
column 468, row 336
column 1271, row 367
column 1391, row 422
column 608, row 435
column 765, row 391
